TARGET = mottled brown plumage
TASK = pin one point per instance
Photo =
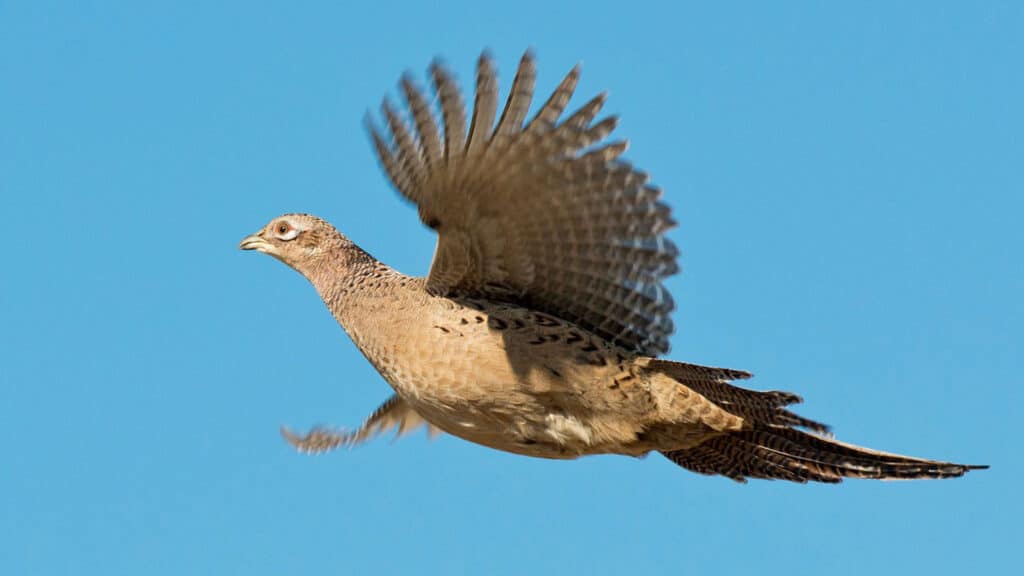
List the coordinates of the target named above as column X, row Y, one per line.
column 536, row 330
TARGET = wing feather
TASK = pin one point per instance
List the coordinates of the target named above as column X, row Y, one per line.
column 393, row 414
column 453, row 111
column 408, row 153
column 486, row 105
column 426, row 128
column 519, row 99
column 552, row 109
column 546, row 215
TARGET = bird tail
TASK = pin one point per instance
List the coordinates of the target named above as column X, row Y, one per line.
column 789, row 454
column 767, row 408
column 772, row 446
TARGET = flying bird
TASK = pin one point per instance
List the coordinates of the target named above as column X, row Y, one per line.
column 538, row 329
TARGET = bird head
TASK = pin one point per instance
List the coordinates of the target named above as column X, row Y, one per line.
column 299, row 240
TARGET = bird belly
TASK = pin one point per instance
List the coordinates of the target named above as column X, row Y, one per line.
column 558, row 437
column 504, row 379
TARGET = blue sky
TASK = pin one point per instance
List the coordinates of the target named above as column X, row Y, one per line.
column 848, row 185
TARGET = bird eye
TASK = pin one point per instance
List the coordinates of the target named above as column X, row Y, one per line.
column 285, row 231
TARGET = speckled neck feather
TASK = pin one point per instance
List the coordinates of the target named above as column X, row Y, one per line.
column 354, row 285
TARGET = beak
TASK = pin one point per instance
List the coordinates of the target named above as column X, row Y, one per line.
column 254, row 242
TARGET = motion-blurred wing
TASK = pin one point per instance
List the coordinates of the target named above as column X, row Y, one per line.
column 394, row 414
column 543, row 214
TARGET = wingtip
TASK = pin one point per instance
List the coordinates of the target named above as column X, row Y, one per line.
column 291, row 437
column 374, row 131
column 486, row 71
column 486, row 58
column 438, row 63
column 406, row 81
column 530, row 54
column 368, row 123
column 439, row 71
column 317, row 441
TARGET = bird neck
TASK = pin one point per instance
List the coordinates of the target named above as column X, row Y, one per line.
column 358, row 289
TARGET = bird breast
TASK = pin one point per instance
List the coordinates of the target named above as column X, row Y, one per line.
column 502, row 375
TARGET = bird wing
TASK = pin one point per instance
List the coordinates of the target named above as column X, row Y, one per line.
column 543, row 214
column 394, row 414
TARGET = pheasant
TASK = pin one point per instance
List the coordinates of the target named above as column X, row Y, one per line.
column 538, row 328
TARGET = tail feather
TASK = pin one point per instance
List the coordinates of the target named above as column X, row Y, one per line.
column 763, row 407
column 788, row 454
column 772, row 447
column 736, row 459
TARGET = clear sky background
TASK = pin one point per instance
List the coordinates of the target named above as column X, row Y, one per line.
column 848, row 183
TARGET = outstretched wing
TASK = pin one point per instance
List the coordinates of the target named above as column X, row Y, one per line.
column 394, row 414
column 543, row 214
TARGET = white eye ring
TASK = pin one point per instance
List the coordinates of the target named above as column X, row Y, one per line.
column 285, row 231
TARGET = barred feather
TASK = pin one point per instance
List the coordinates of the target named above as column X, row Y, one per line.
column 486, row 104
column 519, row 99
column 426, row 128
column 788, row 454
column 761, row 408
column 452, row 110
column 552, row 109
